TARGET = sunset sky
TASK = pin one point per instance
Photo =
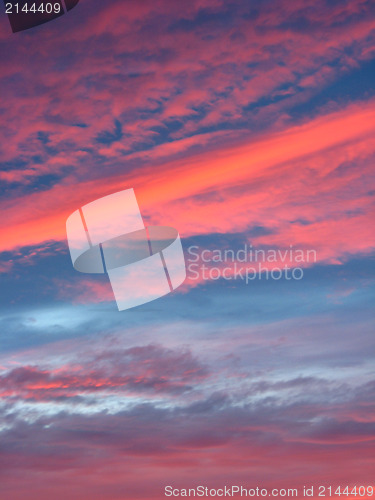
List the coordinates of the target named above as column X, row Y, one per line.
column 236, row 122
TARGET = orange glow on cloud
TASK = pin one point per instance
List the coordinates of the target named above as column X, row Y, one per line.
column 288, row 164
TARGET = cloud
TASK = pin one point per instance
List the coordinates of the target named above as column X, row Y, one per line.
column 194, row 134
column 236, row 123
column 146, row 368
column 222, row 436
column 274, row 182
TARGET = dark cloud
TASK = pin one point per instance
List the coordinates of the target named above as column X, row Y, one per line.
column 147, row 368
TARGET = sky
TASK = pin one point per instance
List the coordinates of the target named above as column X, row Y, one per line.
column 238, row 123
